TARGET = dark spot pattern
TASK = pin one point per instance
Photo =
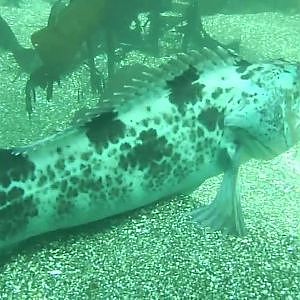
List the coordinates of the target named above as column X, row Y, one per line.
column 148, row 153
column 14, row 167
column 15, row 210
column 15, row 217
column 14, row 194
column 86, row 156
column 242, row 66
column 211, row 117
column 50, row 173
column 104, row 129
column 64, row 205
column 241, row 69
column 125, row 147
column 248, row 75
column 71, row 158
column 59, row 150
column 183, row 90
column 200, row 132
column 216, row 93
column 42, row 180
column 60, row 164
column 181, row 166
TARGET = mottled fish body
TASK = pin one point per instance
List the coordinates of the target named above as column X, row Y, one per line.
column 164, row 133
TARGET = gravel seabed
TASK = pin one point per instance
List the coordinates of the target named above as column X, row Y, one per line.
column 155, row 252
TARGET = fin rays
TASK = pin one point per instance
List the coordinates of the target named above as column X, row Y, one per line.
column 156, row 78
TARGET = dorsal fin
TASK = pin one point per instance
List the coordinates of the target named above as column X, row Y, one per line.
column 152, row 80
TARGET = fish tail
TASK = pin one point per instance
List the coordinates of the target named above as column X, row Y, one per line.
column 25, row 57
column 8, row 39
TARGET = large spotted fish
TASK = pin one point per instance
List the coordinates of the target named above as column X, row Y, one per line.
column 164, row 133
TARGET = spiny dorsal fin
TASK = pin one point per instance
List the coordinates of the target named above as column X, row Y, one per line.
column 151, row 80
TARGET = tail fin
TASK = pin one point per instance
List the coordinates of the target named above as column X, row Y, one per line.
column 26, row 58
column 8, row 40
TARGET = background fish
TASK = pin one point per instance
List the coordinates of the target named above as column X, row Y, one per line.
column 25, row 57
column 195, row 117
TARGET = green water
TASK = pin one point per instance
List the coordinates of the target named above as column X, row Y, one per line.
column 154, row 252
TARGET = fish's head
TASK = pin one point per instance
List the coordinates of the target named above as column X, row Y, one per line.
column 271, row 125
column 291, row 113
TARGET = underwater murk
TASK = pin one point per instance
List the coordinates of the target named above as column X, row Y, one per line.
column 149, row 149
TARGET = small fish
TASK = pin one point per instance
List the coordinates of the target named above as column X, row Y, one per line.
column 163, row 133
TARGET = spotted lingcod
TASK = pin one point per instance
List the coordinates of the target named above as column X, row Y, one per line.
column 164, row 133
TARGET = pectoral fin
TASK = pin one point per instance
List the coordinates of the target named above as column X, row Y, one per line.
column 225, row 212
